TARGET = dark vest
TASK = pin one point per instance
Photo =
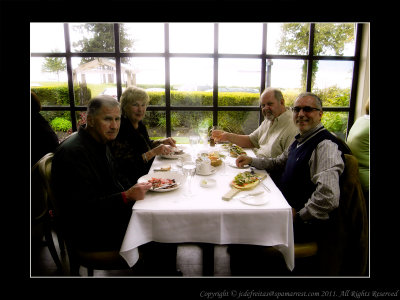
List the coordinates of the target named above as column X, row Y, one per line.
column 295, row 183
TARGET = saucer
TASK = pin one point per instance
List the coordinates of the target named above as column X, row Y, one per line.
column 208, row 182
column 213, row 170
column 252, row 200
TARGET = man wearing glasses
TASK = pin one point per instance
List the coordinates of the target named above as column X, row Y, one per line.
column 311, row 168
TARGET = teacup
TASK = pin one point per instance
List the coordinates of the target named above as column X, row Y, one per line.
column 203, row 166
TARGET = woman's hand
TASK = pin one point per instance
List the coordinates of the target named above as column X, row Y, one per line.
column 162, row 150
column 168, row 141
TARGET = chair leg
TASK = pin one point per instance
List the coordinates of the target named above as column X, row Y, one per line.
column 50, row 244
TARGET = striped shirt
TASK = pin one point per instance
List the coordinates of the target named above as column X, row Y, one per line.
column 326, row 165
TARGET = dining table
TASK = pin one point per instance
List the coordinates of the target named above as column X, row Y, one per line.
column 260, row 216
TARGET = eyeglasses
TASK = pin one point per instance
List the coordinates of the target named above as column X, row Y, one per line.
column 306, row 109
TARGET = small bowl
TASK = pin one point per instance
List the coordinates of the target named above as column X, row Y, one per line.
column 208, row 182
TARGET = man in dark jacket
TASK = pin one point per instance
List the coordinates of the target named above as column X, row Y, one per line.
column 95, row 209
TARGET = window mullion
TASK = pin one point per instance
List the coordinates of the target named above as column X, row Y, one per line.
column 167, row 81
column 70, row 79
column 310, row 57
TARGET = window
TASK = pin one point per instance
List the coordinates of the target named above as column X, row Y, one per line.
column 197, row 74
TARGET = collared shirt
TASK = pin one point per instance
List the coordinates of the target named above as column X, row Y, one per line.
column 326, row 165
column 272, row 138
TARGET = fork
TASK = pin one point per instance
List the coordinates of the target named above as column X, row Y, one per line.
column 261, row 182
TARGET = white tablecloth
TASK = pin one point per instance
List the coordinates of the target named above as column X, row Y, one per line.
column 171, row 217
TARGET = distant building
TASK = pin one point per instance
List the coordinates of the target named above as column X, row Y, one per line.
column 102, row 70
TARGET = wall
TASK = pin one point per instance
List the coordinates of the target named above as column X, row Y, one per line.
column 363, row 92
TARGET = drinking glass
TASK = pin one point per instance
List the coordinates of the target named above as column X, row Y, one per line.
column 189, row 169
column 223, row 166
column 203, row 132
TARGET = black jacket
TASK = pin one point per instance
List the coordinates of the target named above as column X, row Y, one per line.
column 89, row 193
column 128, row 148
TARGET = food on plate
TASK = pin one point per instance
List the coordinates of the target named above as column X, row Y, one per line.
column 245, row 180
column 234, row 150
column 214, row 157
column 162, row 183
column 177, row 151
column 165, row 168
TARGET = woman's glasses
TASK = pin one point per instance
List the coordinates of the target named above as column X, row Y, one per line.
column 306, row 109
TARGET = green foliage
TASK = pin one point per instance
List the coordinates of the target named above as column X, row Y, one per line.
column 334, row 96
column 99, row 37
column 54, row 65
column 60, row 124
column 329, row 39
column 59, row 95
column 195, row 119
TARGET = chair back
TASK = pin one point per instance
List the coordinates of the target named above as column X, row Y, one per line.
column 355, row 220
column 344, row 249
column 39, row 197
column 44, row 165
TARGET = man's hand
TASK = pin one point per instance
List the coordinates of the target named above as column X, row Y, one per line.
column 138, row 191
column 220, row 136
column 243, row 160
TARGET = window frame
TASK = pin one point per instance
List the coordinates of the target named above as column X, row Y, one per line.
column 167, row 55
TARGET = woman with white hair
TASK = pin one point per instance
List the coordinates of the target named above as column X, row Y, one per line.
column 133, row 149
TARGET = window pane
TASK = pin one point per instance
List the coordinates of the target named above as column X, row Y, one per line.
column 334, row 39
column 336, row 122
column 239, row 122
column 48, row 70
column 47, row 37
column 48, row 79
column 182, row 122
column 292, row 40
column 142, row 37
column 97, row 74
column 155, row 122
column 286, row 74
column 189, row 75
column 92, row 37
column 240, row 73
column 149, row 74
column 244, row 38
column 191, row 37
column 333, row 73
column 239, row 81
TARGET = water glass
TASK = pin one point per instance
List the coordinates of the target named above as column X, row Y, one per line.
column 189, row 170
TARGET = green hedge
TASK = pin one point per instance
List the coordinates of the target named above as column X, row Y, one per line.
column 59, row 95
column 229, row 120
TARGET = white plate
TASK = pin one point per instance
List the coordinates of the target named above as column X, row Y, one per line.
column 213, row 170
column 174, row 156
column 208, row 182
column 254, row 200
column 165, row 175
column 233, row 165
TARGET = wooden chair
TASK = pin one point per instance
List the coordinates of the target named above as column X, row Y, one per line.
column 42, row 222
column 343, row 250
column 91, row 260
